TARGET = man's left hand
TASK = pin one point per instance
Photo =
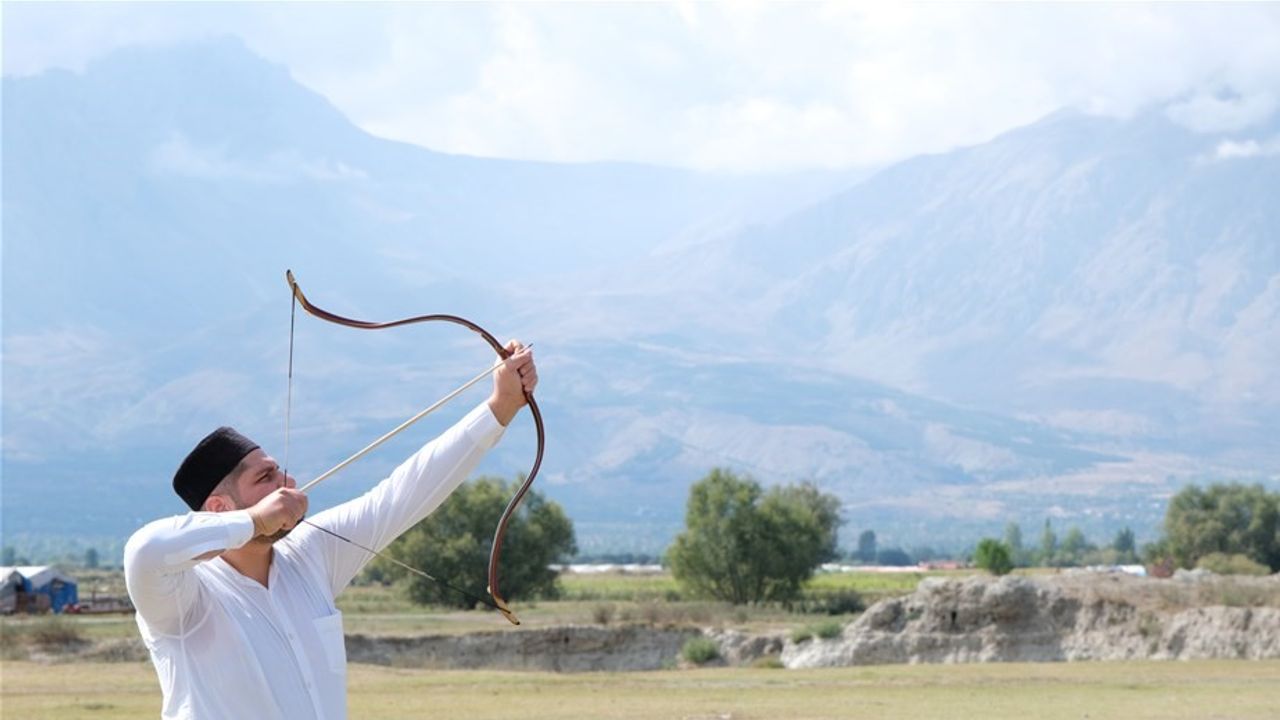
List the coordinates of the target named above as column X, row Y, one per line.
column 517, row 376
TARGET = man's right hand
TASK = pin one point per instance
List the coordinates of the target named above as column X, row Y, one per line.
column 280, row 510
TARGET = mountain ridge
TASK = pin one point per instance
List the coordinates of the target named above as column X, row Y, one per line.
column 889, row 337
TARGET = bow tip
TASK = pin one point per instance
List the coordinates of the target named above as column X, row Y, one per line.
column 501, row 606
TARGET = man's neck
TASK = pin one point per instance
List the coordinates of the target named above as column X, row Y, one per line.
column 252, row 560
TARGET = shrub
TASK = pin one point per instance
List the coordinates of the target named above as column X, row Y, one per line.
column 56, row 632
column 1235, row 564
column 844, row 601
column 602, row 613
column 828, row 630
column 700, row 650
column 768, row 662
column 651, row 613
column 1224, row 518
column 824, row 630
column 11, row 644
column 743, row 544
column 993, row 556
column 456, row 539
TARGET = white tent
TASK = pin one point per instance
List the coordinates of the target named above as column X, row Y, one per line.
column 37, row 575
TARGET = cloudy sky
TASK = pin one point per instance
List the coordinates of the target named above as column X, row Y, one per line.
column 745, row 86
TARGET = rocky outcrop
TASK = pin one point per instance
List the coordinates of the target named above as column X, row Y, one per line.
column 563, row 649
column 739, row 648
column 1016, row 619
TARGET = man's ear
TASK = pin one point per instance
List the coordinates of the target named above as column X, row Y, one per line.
column 217, row 503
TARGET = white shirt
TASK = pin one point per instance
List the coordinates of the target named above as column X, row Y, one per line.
column 226, row 647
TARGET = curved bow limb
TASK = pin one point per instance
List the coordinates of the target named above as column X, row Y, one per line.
column 495, row 553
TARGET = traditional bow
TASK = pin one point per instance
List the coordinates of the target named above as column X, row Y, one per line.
column 495, row 553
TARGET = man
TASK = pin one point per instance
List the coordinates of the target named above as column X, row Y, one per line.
column 235, row 600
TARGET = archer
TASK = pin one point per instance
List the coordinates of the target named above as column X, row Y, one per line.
column 235, row 599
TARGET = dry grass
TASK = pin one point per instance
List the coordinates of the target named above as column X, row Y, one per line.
column 1176, row 595
column 1192, row 690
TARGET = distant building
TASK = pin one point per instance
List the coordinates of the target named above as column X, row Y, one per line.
column 13, row 588
column 31, row 588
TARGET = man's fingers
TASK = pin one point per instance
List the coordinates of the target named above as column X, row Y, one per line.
column 520, row 360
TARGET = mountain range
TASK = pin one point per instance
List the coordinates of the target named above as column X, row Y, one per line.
column 1068, row 322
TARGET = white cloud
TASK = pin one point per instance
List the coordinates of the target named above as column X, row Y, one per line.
column 1232, row 149
column 179, row 156
column 1209, row 112
column 733, row 86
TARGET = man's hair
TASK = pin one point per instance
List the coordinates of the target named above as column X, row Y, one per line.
column 227, row 485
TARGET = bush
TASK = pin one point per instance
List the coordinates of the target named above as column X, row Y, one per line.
column 1236, row 564
column 744, row 545
column 824, row 630
column 768, row 662
column 843, row 601
column 55, row 632
column 894, row 557
column 602, row 613
column 453, row 545
column 12, row 646
column 993, row 556
column 828, row 630
column 700, row 650
column 1224, row 518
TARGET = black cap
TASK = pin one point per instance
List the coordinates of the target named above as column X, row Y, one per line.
column 213, row 459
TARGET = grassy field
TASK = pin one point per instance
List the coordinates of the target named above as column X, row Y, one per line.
column 656, row 599
column 1203, row 689
column 1193, row 690
column 605, row 598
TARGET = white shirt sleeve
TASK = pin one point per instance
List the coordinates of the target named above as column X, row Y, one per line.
column 413, row 490
column 158, row 563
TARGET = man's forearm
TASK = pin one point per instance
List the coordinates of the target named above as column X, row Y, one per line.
column 158, row 558
column 504, row 409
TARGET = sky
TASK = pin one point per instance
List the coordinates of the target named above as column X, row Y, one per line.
column 737, row 87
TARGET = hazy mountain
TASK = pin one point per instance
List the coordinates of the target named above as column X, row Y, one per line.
column 1078, row 251
column 1069, row 321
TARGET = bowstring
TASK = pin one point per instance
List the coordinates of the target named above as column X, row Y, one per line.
column 406, row 566
column 288, row 400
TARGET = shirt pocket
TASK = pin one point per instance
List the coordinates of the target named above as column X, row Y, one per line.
column 329, row 630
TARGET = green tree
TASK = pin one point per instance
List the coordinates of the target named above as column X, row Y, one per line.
column 741, row 544
column 1224, row 564
column 91, row 558
column 894, row 557
column 1233, row 519
column 1074, row 547
column 923, row 553
column 867, row 546
column 1013, row 541
column 1048, row 545
column 993, row 556
column 453, row 545
column 800, row 525
column 1125, row 546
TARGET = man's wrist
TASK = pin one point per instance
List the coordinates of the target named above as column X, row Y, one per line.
column 259, row 527
column 504, row 409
